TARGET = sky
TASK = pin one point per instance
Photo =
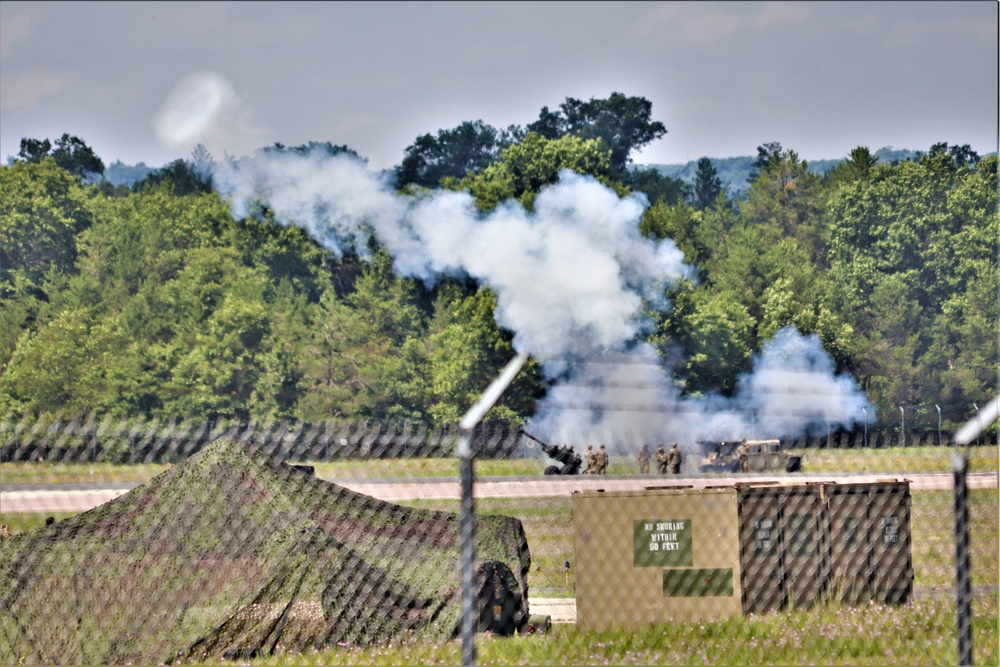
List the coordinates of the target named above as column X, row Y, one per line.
column 821, row 78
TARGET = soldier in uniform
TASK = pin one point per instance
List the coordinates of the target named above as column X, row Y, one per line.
column 601, row 459
column 674, row 459
column 661, row 460
column 742, row 452
column 588, row 456
column 644, row 460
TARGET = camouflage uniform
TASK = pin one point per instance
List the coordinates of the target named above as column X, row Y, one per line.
column 674, row 459
column 644, row 461
column 742, row 452
column 661, row 460
column 601, row 459
column 591, row 461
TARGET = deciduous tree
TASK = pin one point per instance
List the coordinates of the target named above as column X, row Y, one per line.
column 623, row 124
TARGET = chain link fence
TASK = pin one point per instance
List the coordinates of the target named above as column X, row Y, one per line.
column 127, row 541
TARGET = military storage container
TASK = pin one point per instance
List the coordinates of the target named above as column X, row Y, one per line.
column 683, row 554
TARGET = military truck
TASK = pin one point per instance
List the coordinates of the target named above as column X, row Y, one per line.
column 762, row 456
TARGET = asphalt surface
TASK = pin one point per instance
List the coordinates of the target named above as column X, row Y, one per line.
column 80, row 497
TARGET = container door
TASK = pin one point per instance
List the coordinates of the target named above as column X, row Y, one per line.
column 803, row 547
column 892, row 568
column 761, row 573
column 850, row 545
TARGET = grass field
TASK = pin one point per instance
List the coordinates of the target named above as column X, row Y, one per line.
column 889, row 460
column 921, row 632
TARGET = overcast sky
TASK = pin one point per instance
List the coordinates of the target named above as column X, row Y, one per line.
column 820, row 78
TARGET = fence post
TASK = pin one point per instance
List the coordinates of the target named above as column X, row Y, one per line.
column 468, row 513
column 963, row 584
column 467, row 518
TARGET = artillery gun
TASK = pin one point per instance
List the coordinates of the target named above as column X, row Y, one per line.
column 569, row 460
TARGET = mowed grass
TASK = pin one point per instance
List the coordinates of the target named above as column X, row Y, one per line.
column 888, row 460
column 897, row 459
column 919, row 633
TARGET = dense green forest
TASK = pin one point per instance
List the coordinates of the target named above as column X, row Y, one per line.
column 734, row 172
column 154, row 300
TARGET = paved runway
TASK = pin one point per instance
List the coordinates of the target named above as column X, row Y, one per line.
column 82, row 497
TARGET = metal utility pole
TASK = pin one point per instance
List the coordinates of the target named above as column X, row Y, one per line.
column 939, row 423
column 467, row 515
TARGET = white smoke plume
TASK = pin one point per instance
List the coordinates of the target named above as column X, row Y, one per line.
column 203, row 108
column 569, row 276
column 629, row 400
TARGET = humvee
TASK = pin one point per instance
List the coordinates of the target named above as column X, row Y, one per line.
column 763, row 455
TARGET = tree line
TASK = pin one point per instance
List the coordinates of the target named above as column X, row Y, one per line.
column 153, row 300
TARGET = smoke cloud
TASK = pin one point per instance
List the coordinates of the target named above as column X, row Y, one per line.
column 629, row 400
column 203, row 108
column 571, row 278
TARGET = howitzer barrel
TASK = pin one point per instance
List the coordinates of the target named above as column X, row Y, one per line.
column 547, row 448
column 551, row 450
column 565, row 455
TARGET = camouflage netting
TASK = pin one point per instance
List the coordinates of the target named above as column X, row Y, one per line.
column 232, row 554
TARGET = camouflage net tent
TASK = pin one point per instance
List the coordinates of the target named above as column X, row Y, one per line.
column 233, row 554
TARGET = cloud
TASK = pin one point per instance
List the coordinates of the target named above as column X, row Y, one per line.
column 22, row 90
column 708, row 24
column 772, row 13
column 16, row 27
column 686, row 24
column 937, row 30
